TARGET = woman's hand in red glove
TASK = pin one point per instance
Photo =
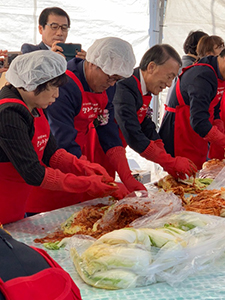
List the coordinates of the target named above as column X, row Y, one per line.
column 69, row 163
column 122, row 191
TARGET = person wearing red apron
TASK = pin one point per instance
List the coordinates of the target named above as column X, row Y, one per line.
column 133, row 114
column 29, row 156
column 143, row 110
column 82, row 118
column 14, row 192
column 213, row 45
column 190, row 122
column 30, row 273
column 217, row 151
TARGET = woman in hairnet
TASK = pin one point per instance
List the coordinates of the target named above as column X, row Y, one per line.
column 84, row 107
column 28, row 152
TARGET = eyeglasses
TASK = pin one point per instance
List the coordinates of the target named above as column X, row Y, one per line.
column 55, row 27
column 114, row 78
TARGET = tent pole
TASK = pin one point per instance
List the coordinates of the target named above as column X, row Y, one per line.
column 156, row 13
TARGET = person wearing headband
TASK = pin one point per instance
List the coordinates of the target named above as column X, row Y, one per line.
column 82, row 118
column 29, row 156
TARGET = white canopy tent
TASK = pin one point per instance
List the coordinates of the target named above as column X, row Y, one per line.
column 90, row 20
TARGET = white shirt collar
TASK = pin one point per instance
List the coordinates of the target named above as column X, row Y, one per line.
column 49, row 48
column 143, row 85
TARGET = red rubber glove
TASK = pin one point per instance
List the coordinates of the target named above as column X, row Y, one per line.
column 177, row 167
column 94, row 185
column 122, row 191
column 216, row 151
column 215, row 136
column 118, row 160
column 219, row 124
column 69, row 163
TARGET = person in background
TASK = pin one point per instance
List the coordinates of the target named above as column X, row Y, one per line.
column 82, row 118
column 158, row 67
column 32, row 271
column 190, row 57
column 190, row 47
column 209, row 45
column 29, row 155
column 54, row 24
column 213, row 45
column 190, row 121
column 3, row 54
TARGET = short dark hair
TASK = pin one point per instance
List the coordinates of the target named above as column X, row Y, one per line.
column 43, row 18
column 159, row 53
column 191, row 42
column 57, row 81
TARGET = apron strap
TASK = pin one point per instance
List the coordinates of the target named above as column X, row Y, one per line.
column 138, row 84
column 170, row 109
column 75, row 79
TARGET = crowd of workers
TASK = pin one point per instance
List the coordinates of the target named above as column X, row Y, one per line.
column 65, row 126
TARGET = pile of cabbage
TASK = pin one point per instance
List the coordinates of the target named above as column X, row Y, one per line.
column 170, row 249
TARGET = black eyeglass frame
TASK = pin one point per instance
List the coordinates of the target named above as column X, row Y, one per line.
column 63, row 27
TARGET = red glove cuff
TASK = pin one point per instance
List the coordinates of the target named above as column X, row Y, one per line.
column 156, row 152
column 117, row 158
column 215, row 136
column 62, row 160
column 219, row 124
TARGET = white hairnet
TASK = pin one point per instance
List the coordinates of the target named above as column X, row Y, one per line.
column 113, row 55
column 32, row 69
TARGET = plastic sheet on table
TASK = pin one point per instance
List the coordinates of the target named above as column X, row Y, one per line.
column 110, row 265
column 150, row 205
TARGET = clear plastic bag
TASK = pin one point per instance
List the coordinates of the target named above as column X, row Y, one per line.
column 126, row 260
column 202, row 254
column 149, row 205
column 218, row 182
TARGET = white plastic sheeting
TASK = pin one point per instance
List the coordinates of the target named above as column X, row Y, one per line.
column 183, row 16
column 90, row 20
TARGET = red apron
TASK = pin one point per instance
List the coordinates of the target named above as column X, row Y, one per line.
column 49, row 284
column 141, row 113
column 14, row 190
column 216, row 151
column 93, row 104
column 187, row 142
column 222, row 108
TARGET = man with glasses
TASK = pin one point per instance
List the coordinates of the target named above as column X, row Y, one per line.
column 84, row 107
column 54, row 24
